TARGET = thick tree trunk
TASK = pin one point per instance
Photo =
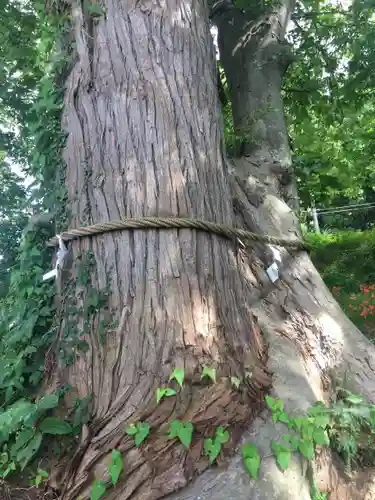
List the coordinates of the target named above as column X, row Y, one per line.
column 145, row 138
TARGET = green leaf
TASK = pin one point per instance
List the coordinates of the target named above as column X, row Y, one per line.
column 297, row 423
column 283, row 458
column 166, row 391
column 307, row 429
column 252, row 465
column 354, row 399
column 249, row 450
column 222, row 435
column 98, row 490
column 22, row 439
column 209, row 372
column 292, row 441
column 320, row 436
column 116, row 466
column 41, row 474
column 55, row 426
column 283, row 417
column 24, row 455
column 236, row 382
column 174, row 429
column 95, row 9
column 131, row 430
column 306, row 447
column 251, row 459
column 143, row 430
column 179, row 375
column 321, row 421
column 181, row 430
column 48, row 402
column 169, row 392
column 212, row 448
column 185, row 433
column 274, row 404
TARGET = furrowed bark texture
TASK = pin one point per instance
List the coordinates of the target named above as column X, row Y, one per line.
column 311, row 342
column 145, row 138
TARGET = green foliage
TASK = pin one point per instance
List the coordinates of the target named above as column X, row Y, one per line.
column 116, row 466
column 251, row 459
column 212, row 446
column 162, row 392
column 347, row 426
column 328, row 107
column 210, row 372
column 40, row 476
column 98, row 490
column 236, row 381
column 283, row 455
column 181, row 430
column 140, row 431
column 31, row 102
column 178, row 374
column 55, row 426
column 334, row 254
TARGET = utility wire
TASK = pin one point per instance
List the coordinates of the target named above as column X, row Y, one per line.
column 344, row 210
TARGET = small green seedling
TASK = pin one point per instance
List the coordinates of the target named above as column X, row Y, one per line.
column 164, row 392
column 236, row 381
column 212, row 446
column 181, row 430
column 40, row 476
column 98, row 490
column 178, row 374
column 140, row 431
column 116, row 466
column 210, row 372
column 251, row 459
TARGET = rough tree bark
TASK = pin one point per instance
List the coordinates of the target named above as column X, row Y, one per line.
column 145, row 138
column 311, row 342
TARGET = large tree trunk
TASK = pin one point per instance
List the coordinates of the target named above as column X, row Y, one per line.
column 311, row 342
column 145, row 138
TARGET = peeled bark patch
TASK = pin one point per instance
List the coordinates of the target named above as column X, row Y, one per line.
column 145, row 139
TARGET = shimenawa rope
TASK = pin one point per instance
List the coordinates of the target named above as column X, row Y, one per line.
column 178, row 223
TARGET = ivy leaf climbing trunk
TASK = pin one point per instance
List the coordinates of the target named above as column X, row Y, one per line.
column 145, row 139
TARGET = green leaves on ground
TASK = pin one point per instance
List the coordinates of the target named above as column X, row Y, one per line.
column 251, row 459
column 181, row 430
column 140, row 431
column 283, row 455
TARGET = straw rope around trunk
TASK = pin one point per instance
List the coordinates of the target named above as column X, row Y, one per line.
column 178, row 223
